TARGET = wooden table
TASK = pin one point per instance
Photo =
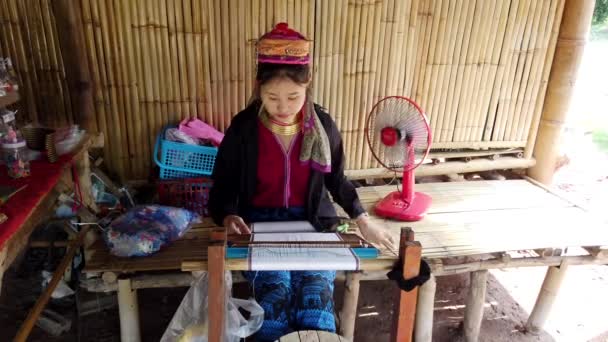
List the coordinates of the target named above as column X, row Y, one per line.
column 18, row 240
column 471, row 227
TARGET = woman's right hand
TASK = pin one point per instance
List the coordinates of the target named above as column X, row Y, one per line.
column 234, row 224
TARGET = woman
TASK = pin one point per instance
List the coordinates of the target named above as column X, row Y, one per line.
column 278, row 160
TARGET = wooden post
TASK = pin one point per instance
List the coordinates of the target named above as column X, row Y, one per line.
column 475, row 301
column 546, row 298
column 348, row 315
column 216, row 294
column 70, row 31
column 405, row 308
column 128, row 310
column 575, row 25
column 424, row 311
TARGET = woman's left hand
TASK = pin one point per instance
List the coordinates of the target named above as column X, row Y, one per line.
column 375, row 233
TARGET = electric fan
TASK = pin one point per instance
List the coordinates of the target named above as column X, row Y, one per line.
column 399, row 136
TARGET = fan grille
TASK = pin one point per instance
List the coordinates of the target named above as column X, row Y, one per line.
column 406, row 116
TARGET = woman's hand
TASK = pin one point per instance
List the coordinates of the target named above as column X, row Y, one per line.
column 235, row 225
column 375, row 233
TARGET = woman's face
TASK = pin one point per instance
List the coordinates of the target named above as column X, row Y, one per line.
column 283, row 98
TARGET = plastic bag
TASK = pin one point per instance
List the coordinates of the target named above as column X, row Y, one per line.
column 190, row 321
column 144, row 230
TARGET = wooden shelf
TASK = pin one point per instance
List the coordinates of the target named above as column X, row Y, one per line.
column 9, row 99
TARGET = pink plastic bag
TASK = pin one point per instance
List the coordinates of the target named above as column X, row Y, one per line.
column 198, row 129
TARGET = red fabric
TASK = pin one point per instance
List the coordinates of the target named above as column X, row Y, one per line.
column 280, row 184
column 43, row 178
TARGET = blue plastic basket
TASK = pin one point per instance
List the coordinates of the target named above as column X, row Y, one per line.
column 178, row 160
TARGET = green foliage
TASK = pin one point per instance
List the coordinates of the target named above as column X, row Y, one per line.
column 600, row 13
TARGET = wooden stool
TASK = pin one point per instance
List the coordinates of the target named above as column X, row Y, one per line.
column 312, row 336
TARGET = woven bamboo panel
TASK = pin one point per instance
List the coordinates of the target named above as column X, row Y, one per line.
column 478, row 68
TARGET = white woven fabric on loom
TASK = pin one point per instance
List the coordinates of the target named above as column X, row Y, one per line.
column 282, row 227
column 301, row 258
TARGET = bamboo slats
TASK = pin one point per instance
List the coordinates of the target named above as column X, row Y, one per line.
column 478, row 68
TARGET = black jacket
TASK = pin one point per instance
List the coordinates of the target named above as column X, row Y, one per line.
column 235, row 172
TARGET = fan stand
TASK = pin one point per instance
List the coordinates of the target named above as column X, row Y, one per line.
column 405, row 205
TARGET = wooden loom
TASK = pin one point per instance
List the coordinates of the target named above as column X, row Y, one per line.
column 405, row 308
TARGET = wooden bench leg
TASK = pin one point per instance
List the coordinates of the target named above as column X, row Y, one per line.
column 475, row 304
column 217, row 291
column 423, row 331
column 129, row 312
column 348, row 315
column 410, row 252
column 546, row 298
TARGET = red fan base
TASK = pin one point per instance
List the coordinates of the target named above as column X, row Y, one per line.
column 395, row 207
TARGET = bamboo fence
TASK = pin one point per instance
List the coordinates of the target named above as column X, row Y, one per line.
column 478, row 68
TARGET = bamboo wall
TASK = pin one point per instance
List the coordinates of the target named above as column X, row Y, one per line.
column 478, row 68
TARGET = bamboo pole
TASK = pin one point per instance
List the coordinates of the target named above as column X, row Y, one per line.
column 127, row 119
column 364, row 99
column 497, row 43
column 174, row 95
column 144, row 91
column 423, row 331
column 507, row 86
column 532, row 122
column 70, row 31
column 57, row 65
column 198, row 61
column 571, row 43
column 422, row 22
column 546, row 298
column 37, row 53
column 342, row 60
column 228, row 65
column 452, row 61
column 351, row 38
column 471, row 64
column 214, row 65
column 318, row 59
column 435, row 63
column 503, row 65
column 489, row 14
column 128, row 312
column 538, row 46
column 335, row 62
column 241, row 54
column 153, row 115
column 24, row 70
column 160, row 66
column 475, row 304
column 446, row 168
column 233, row 75
column 375, row 67
column 166, row 66
column 448, row 133
column 181, row 61
column 99, row 12
column 427, row 67
column 522, row 62
column 99, row 100
column 413, row 30
column 348, row 314
column 121, row 110
column 191, row 61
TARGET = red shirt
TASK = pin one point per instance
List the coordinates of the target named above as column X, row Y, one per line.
column 282, row 179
